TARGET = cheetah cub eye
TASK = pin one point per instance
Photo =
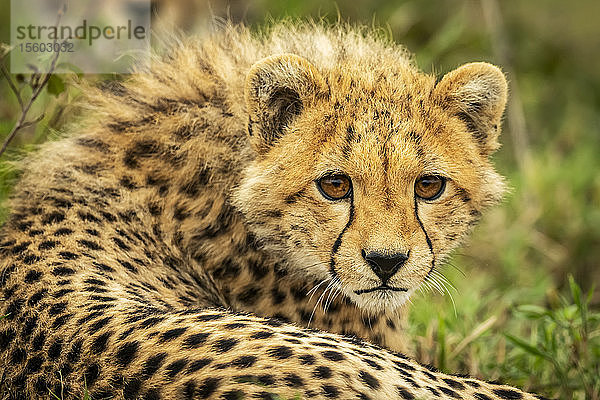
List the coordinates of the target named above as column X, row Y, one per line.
column 430, row 187
column 335, row 186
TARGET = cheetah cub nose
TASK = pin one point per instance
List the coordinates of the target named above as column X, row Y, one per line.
column 384, row 265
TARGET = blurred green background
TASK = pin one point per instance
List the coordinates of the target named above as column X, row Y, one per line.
column 512, row 311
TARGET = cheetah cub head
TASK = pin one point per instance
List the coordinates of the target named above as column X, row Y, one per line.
column 365, row 177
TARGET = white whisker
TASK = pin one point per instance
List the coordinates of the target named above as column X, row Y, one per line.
column 432, row 279
column 312, row 291
column 444, row 282
column 335, row 288
column 319, row 301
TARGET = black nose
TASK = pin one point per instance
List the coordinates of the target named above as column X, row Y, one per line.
column 385, row 265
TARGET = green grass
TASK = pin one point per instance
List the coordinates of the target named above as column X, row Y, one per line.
column 553, row 349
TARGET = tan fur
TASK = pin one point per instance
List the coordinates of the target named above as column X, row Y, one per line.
column 129, row 238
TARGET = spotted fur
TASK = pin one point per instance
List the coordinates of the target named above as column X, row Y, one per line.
column 164, row 249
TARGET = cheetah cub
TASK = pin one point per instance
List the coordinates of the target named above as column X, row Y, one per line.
column 185, row 238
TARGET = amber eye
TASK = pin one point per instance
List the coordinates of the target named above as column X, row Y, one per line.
column 430, row 187
column 335, row 187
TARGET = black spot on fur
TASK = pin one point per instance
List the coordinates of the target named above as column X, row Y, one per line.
column 108, row 216
column 152, row 394
column 58, row 308
column 120, row 244
column 89, row 244
column 53, row 218
column 34, row 364
column 18, row 356
column 473, row 384
column 293, row 380
column 249, row 295
column 195, row 340
column 235, row 325
column 293, row 198
column 373, row 364
column 62, row 292
column 67, row 255
column 333, row 355
column 91, row 374
column 277, row 296
column 54, row 350
column 30, row 259
column 60, row 321
column 449, row 392
column 33, row 276
column 128, row 266
column 75, row 352
column 47, row 245
column 369, row 380
column 150, row 322
column 6, row 337
column 127, row 353
column 199, row 180
column 208, row 387
column 244, row 361
column 280, row 352
column 62, row 271
column 235, row 394
column 14, row 309
column 412, row 382
column 140, row 150
column 262, row 335
column 307, row 359
column 454, row 384
column 93, row 143
column 180, row 213
column 63, row 232
column 322, row 372
column 330, row 391
column 131, row 388
column 41, row 385
column 430, row 375
column 172, row 334
column 96, row 326
column 28, row 327
column 198, row 365
column 20, row 248
column 99, row 343
column 224, row 345
column 89, row 217
column 507, row 394
column 153, row 364
column 175, row 367
column 128, row 183
column 6, row 273
column 404, row 394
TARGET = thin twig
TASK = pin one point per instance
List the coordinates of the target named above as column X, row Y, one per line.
column 38, row 86
column 11, row 84
column 22, row 123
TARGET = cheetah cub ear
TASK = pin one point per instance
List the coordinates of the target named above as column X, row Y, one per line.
column 278, row 89
column 476, row 93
